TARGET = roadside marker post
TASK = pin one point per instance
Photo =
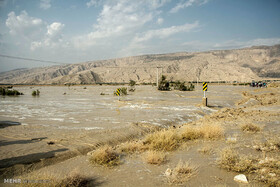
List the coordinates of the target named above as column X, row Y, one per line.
column 118, row 93
column 204, row 88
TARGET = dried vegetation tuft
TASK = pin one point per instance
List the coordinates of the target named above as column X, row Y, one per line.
column 105, row 156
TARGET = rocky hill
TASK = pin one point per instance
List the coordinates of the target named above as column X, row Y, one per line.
column 222, row 65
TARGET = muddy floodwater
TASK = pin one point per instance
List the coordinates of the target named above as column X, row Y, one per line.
column 72, row 120
column 56, row 132
column 82, row 107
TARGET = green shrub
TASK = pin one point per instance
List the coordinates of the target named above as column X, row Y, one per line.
column 163, row 84
column 8, row 92
column 182, row 87
column 35, row 93
column 132, row 83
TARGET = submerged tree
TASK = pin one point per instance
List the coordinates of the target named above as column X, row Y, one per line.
column 10, row 92
column 182, row 87
column 132, row 84
column 35, row 93
column 163, row 84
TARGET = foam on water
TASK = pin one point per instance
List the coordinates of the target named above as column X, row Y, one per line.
column 80, row 128
column 83, row 108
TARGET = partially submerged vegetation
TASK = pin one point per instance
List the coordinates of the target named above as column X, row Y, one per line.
column 165, row 85
column 132, row 84
column 35, row 93
column 232, row 161
column 266, row 170
column 155, row 144
column 73, row 179
column 211, row 132
column 207, row 150
column 164, row 140
column 9, row 92
column 131, row 147
column 182, row 87
column 250, row 128
column 270, row 145
column 105, row 156
column 155, row 157
column 181, row 173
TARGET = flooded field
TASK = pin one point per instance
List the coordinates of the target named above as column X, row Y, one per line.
column 76, row 119
column 56, row 132
column 75, row 107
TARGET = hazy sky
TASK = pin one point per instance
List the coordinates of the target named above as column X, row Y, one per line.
column 72, row 31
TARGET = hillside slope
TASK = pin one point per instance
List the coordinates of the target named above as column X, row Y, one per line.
column 222, row 65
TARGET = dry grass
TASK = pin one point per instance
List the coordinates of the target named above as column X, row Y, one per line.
column 232, row 161
column 250, row 128
column 164, row 140
column 269, row 145
column 46, row 180
column 267, row 170
column 105, row 156
column 205, row 131
column 212, row 131
column 131, row 147
column 39, row 180
column 170, row 139
column 206, row 150
column 190, row 133
column 181, row 173
column 154, row 157
column 74, row 181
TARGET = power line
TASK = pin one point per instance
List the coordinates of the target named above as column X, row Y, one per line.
column 53, row 62
column 129, row 67
column 31, row 59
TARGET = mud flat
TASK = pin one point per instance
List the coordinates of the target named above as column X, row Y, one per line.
column 62, row 151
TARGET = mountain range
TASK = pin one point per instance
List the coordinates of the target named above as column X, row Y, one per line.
column 247, row 64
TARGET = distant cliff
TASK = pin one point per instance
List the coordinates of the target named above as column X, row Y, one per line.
column 221, row 65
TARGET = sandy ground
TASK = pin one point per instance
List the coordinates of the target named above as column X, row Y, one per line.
column 257, row 106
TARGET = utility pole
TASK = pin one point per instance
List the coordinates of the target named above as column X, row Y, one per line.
column 157, row 77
